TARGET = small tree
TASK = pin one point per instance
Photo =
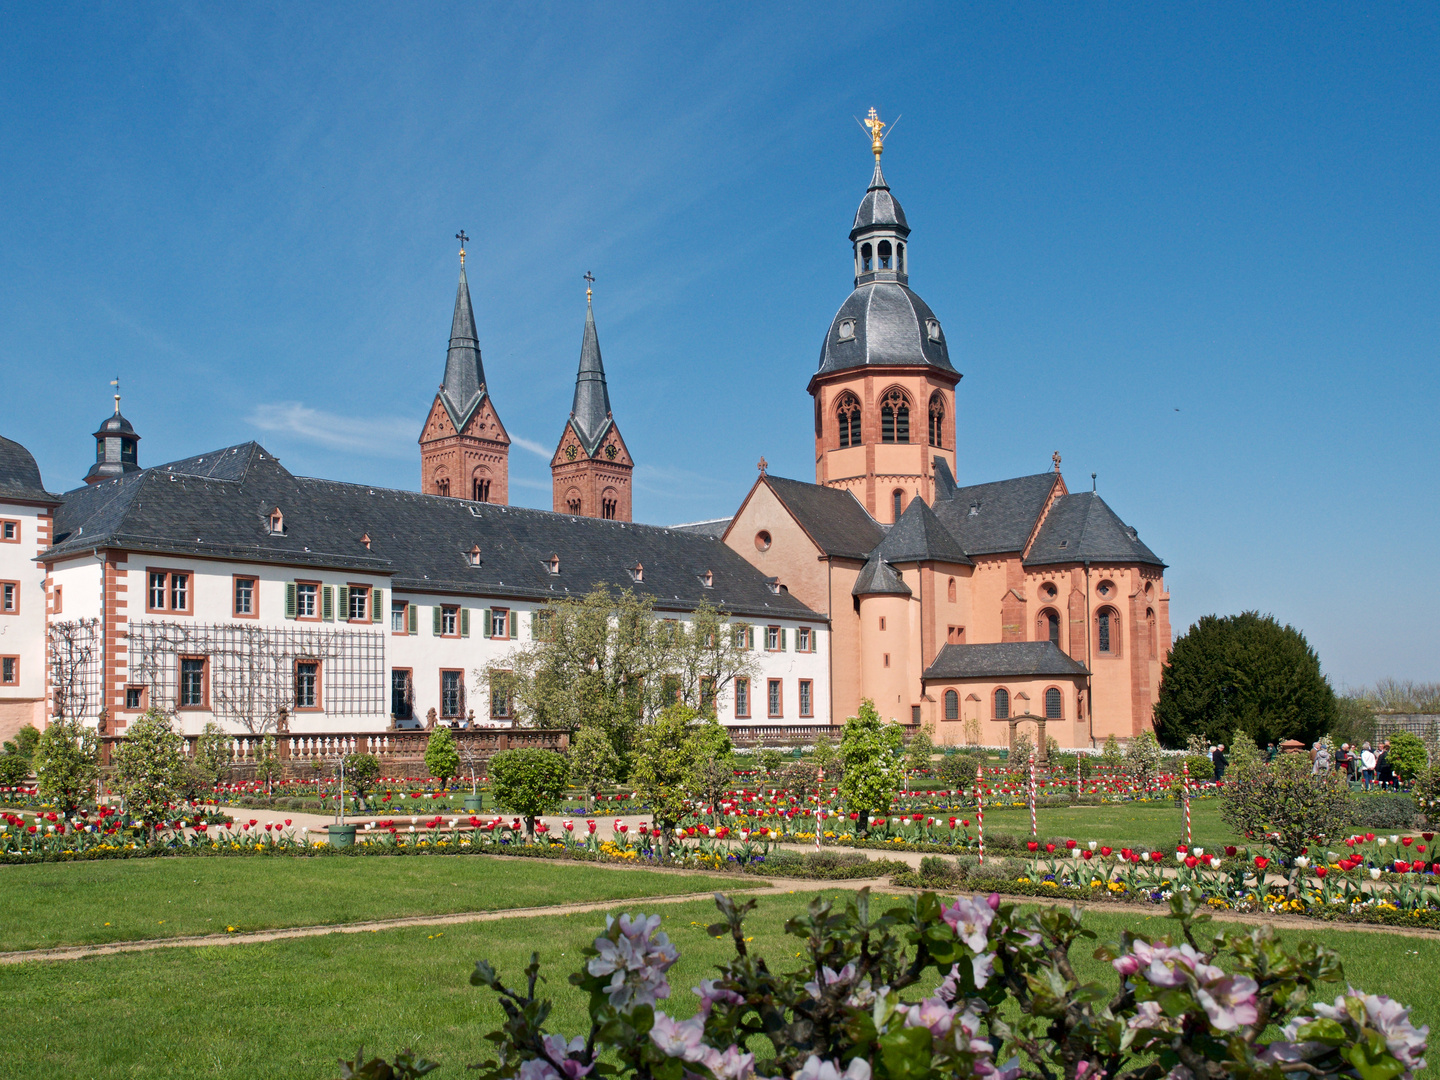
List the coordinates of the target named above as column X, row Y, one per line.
column 441, row 757
column 918, row 752
column 824, row 755
column 1407, row 755
column 24, row 743
column 65, row 762
column 529, row 782
column 1111, row 756
column 212, row 752
column 472, row 757
column 957, row 771
column 1142, row 757
column 802, row 780
column 1244, row 756
column 148, row 767
column 712, row 762
column 267, row 764
column 1285, row 800
column 361, row 772
column 870, row 751
column 770, row 760
column 593, row 762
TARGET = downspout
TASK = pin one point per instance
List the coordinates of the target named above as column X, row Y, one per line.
column 104, row 633
column 1089, row 662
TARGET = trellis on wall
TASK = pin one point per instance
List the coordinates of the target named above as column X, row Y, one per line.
column 251, row 669
column 75, row 668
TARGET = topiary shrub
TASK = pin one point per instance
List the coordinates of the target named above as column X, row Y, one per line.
column 1382, row 811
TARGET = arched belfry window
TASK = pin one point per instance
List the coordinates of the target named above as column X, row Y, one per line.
column 952, row 705
column 1002, row 704
column 866, row 258
column 1053, row 709
column 847, row 411
column 900, row 257
column 885, row 254
column 895, row 417
column 937, row 419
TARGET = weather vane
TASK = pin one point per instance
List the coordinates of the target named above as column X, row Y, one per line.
column 878, row 135
column 589, row 280
column 115, row 382
column 463, row 241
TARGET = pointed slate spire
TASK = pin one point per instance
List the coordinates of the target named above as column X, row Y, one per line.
column 464, row 384
column 591, row 411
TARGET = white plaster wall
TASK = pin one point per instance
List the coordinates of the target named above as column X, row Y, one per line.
column 23, row 634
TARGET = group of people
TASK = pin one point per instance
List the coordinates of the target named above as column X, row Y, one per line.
column 1365, row 765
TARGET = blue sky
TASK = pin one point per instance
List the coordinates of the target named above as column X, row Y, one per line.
column 1194, row 249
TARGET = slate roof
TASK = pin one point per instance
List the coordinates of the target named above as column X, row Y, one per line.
column 987, row 519
column 879, row 207
column 715, row 527
column 217, row 505
column 590, row 412
column 833, row 517
column 464, row 387
column 20, row 476
column 878, row 578
column 919, row 537
column 890, row 329
column 1082, row 527
column 1005, row 660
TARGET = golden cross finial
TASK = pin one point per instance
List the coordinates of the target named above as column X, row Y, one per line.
column 463, row 241
column 589, row 280
column 115, row 382
column 1055, row 457
column 877, row 128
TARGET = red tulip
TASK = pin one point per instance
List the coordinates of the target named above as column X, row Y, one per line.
column 1321, row 871
column 1105, row 851
column 1191, row 861
column 1401, row 867
column 1261, row 862
column 1031, row 844
column 1086, row 854
column 1407, row 840
column 1050, row 849
column 1070, row 844
column 1181, row 848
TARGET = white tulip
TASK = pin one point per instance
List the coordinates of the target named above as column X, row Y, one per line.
column 1093, row 845
column 1301, row 861
column 1394, row 838
column 1381, row 841
column 1374, row 873
column 1198, row 850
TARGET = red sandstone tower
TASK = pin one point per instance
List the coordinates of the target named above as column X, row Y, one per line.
column 591, row 468
column 464, row 450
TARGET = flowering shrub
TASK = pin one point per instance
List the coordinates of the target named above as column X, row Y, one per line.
column 851, row 1010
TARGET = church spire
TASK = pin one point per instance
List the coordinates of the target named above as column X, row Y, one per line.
column 464, row 383
column 591, row 408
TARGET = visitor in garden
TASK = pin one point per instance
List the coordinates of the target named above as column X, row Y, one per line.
column 1342, row 760
column 1321, row 754
column 1270, row 752
column 1218, row 758
column 1367, row 765
column 1384, row 770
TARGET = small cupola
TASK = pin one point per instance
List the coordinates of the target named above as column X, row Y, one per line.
column 117, row 449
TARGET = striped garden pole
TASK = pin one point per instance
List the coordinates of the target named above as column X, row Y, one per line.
column 1189, row 838
column 1034, row 825
column 980, row 809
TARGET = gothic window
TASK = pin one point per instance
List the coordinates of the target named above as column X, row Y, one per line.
column 847, row 410
column 609, row 503
column 1002, row 704
column 572, row 501
column 1049, row 627
column 952, row 705
column 1052, row 704
column 1150, row 633
column 442, row 487
column 865, row 258
column 481, row 490
column 897, row 498
column 884, row 254
column 895, row 417
column 1107, row 632
column 937, row 419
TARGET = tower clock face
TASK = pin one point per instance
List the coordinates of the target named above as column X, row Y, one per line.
column 570, row 451
column 611, row 451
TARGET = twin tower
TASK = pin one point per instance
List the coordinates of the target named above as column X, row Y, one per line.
column 465, row 451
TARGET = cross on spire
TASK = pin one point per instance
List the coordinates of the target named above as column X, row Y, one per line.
column 1055, row 457
column 463, row 241
column 762, row 465
column 589, row 280
column 115, row 382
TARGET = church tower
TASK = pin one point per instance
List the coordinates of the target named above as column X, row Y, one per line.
column 464, row 450
column 116, row 446
column 591, row 467
column 885, row 390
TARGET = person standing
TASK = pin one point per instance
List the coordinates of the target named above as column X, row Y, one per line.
column 1322, row 760
column 1270, row 752
column 1367, row 765
column 1342, row 760
column 1384, row 771
column 1219, row 760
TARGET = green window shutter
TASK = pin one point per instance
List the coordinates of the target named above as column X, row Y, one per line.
column 513, row 624
column 290, row 599
column 412, row 616
column 464, row 622
column 485, row 622
column 783, row 633
column 327, row 603
column 377, row 600
column 344, row 603
column 750, row 637
column 436, row 611
column 534, row 629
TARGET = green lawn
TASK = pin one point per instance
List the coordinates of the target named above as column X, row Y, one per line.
column 89, row 903
column 290, row 1008
column 1157, row 825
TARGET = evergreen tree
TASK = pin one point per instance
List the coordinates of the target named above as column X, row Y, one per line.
column 441, row 757
column 65, row 761
column 1245, row 673
column 870, row 750
column 529, row 782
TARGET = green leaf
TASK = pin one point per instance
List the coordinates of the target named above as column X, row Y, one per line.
column 906, row 1053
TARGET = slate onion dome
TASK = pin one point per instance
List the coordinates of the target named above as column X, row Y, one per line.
column 116, row 447
column 882, row 323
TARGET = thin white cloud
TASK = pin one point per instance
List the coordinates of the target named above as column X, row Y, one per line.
column 531, row 445
column 389, row 437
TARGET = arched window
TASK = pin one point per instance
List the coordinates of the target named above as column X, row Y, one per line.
column 442, row 486
column 900, row 257
column 1047, row 626
column 1107, row 632
column 1150, row 632
column 952, row 705
column 884, row 254
column 951, row 591
column 897, row 498
column 847, row 411
column 895, row 417
column 609, row 503
column 1002, row 704
column 937, row 419
column 1052, row 704
column 480, row 489
column 865, row 258
column 572, row 501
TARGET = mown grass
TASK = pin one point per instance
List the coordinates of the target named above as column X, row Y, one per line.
column 1153, row 825
column 291, row 1008
column 54, row 904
